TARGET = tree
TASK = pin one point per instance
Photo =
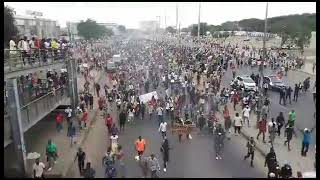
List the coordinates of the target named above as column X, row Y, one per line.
column 171, row 30
column 122, row 28
column 89, row 29
column 10, row 29
column 203, row 29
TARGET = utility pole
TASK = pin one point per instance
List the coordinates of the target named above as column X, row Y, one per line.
column 264, row 47
column 177, row 15
column 199, row 22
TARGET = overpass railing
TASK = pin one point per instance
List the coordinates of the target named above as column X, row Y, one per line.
column 18, row 59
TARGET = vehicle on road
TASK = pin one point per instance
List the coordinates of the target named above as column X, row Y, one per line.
column 244, row 82
column 275, row 83
column 111, row 66
column 117, row 58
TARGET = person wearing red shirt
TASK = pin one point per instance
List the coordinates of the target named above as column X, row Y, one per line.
column 85, row 118
column 262, row 126
column 59, row 119
column 109, row 122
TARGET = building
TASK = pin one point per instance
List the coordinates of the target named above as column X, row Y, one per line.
column 149, row 26
column 112, row 26
column 40, row 27
column 72, row 30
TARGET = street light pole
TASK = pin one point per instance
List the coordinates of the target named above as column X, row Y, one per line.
column 264, row 46
column 199, row 22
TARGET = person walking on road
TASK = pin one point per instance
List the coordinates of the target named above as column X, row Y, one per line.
column 201, row 122
column 251, row 145
column 90, row 101
column 227, row 119
column 291, row 119
column 81, row 156
column 122, row 120
column 288, row 134
column 109, row 122
column 51, row 152
column 68, row 111
column 265, row 87
column 288, row 93
column 280, row 122
column 165, row 152
column 306, row 140
column 282, row 96
column 85, row 118
column 38, row 169
column 272, row 128
column 89, row 172
column 97, row 87
column 163, row 129
column 153, row 166
column 296, row 93
column 59, row 120
column 140, row 146
column 262, row 126
column 219, row 141
column 72, row 133
column 246, row 113
column 271, row 162
column 237, row 122
column 120, row 159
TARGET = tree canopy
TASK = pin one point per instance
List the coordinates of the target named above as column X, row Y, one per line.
column 10, row 29
column 122, row 28
column 171, row 30
column 89, row 29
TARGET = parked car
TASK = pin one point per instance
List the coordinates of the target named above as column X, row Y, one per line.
column 244, row 82
column 274, row 82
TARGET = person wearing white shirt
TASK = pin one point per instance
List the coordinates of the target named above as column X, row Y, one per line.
column 13, row 53
column 24, row 47
column 160, row 114
column 38, row 168
column 68, row 111
column 237, row 124
column 246, row 114
column 163, row 128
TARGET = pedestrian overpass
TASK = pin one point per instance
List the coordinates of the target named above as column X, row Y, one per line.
column 20, row 118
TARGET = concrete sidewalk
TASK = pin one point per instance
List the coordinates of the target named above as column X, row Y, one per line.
column 293, row 157
column 37, row 140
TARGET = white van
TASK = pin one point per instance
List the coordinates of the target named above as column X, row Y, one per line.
column 116, row 59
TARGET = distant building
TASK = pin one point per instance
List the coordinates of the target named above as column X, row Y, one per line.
column 40, row 27
column 72, row 30
column 149, row 26
column 112, row 26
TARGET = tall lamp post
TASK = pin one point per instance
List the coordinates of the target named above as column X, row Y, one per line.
column 264, row 47
column 199, row 22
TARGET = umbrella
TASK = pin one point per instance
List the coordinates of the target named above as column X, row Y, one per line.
column 33, row 155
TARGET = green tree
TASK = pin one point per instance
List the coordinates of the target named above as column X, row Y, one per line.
column 122, row 28
column 171, row 30
column 10, row 29
column 203, row 29
column 89, row 29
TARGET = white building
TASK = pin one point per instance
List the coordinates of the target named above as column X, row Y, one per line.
column 40, row 27
column 149, row 26
column 72, row 28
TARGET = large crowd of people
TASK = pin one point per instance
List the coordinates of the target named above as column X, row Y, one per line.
column 187, row 81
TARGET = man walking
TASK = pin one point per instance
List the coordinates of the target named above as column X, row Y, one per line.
column 153, row 166
column 288, row 94
column 81, row 156
column 140, row 146
column 271, row 162
column 246, row 113
column 282, row 96
column 163, row 129
column 122, row 119
column 296, row 93
column 251, row 148
column 165, row 152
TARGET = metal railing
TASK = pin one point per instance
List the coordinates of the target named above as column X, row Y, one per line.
column 39, row 108
column 18, row 59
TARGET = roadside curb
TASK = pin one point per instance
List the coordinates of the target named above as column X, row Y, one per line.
column 86, row 133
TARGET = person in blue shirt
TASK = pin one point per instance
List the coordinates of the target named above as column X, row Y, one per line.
column 306, row 140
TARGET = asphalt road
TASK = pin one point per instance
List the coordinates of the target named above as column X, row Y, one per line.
column 194, row 158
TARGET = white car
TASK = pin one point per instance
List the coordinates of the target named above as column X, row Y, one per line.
column 244, row 81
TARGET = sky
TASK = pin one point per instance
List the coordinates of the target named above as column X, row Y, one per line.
column 131, row 13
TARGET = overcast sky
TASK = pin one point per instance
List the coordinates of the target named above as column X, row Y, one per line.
column 131, row 13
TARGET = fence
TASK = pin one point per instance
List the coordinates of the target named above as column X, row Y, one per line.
column 18, row 59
